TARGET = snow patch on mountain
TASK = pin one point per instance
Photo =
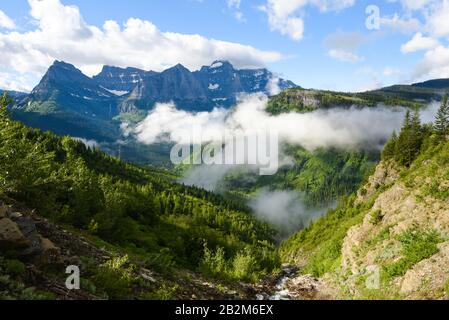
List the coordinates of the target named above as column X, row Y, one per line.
column 217, row 64
column 116, row 92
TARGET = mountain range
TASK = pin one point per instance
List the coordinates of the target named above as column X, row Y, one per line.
column 68, row 102
column 115, row 90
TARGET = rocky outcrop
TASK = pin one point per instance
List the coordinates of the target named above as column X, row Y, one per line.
column 37, row 243
column 19, row 236
column 10, row 235
column 385, row 174
column 399, row 207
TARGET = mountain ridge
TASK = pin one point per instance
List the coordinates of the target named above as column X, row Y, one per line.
column 68, row 102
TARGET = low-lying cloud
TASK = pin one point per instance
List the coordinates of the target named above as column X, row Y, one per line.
column 92, row 144
column 353, row 127
column 285, row 210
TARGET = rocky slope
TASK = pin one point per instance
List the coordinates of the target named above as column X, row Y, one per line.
column 390, row 241
column 35, row 252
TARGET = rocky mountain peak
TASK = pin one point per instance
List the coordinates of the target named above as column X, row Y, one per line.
column 179, row 68
column 218, row 66
column 63, row 65
column 61, row 72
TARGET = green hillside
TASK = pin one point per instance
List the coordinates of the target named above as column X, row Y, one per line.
column 395, row 222
column 140, row 211
column 304, row 100
column 321, row 175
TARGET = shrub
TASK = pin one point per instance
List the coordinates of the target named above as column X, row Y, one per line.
column 244, row 266
column 162, row 261
column 416, row 246
column 213, row 263
column 14, row 267
column 164, row 292
column 115, row 277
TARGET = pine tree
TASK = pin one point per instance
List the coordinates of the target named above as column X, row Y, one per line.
column 390, row 147
column 410, row 139
column 407, row 120
column 441, row 125
column 5, row 101
column 416, row 135
column 401, row 152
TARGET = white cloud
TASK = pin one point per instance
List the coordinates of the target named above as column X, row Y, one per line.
column 348, row 41
column 92, row 144
column 239, row 16
column 435, row 64
column 344, row 55
column 166, row 119
column 322, row 128
column 286, row 17
column 416, row 4
column 342, row 45
column 438, row 21
column 16, row 82
column 284, row 209
column 400, row 24
column 61, row 33
column 419, row 42
column 391, row 71
column 6, row 22
column 235, row 5
column 337, row 127
column 371, row 79
column 431, row 38
column 273, row 86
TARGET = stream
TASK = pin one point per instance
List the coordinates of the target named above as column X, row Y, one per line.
column 280, row 290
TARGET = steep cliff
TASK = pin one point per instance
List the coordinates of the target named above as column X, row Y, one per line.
column 391, row 240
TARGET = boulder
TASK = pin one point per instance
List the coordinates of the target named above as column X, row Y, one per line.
column 28, row 229
column 10, row 235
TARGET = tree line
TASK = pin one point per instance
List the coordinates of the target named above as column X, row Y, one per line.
column 405, row 147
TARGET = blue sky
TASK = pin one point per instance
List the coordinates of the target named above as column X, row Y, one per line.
column 315, row 43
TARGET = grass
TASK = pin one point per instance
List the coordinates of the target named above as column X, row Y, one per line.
column 417, row 245
column 376, row 217
column 164, row 292
column 321, row 242
column 12, row 286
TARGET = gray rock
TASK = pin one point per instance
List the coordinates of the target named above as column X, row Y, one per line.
column 28, row 229
column 15, row 215
column 11, row 236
